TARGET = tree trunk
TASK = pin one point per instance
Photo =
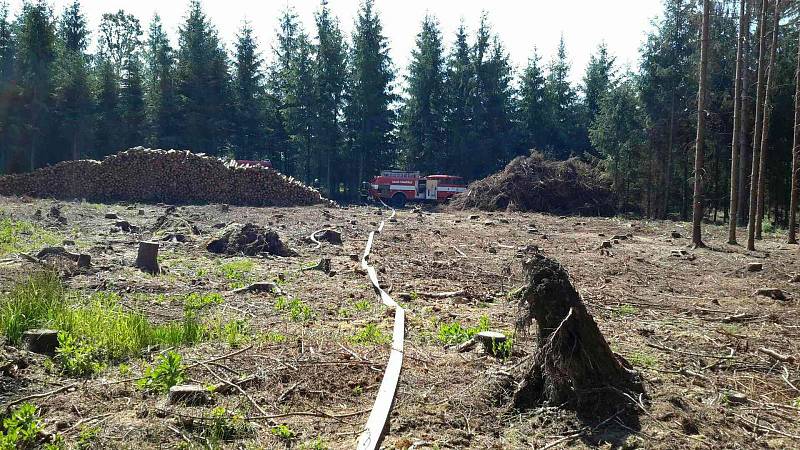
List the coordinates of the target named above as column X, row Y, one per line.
column 795, row 154
column 744, row 20
column 762, row 178
column 697, row 210
column 754, row 169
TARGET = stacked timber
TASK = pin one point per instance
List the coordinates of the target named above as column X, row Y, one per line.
column 169, row 176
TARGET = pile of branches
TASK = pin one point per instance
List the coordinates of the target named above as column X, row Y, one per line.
column 168, row 176
column 533, row 183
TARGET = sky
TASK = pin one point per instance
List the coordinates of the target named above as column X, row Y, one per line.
column 521, row 24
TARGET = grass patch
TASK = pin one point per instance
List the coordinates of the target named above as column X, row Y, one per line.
column 640, row 359
column 96, row 329
column 272, row 337
column 283, row 432
column 237, row 271
column 363, row 305
column 195, row 301
column 297, row 310
column 370, row 335
column 18, row 236
column 455, row 333
column 626, row 310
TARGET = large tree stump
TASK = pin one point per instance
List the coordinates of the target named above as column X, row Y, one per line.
column 40, row 341
column 573, row 364
column 147, row 259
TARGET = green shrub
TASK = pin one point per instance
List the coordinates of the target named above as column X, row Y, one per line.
column 283, row 432
column 297, row 309
column 78, row 357
column 225, row 426
column 371, row 335
column 21, row 428
column 454, row 333
column 169, row 371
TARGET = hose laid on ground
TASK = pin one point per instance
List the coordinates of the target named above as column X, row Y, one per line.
column 372, row 435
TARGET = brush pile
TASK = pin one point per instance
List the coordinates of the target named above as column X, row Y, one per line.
column 533, row 183
column 162, row 176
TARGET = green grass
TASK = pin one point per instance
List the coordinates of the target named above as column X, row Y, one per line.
column 640, row 359
column 370, row 335
column 297, row 310
column 238, row 271
column 272, row 337
column 455, row 333
column 283, row 432
column 17, row 236
column 626, row 310
column 195, row 301
column 363, row 305
column 97, row 329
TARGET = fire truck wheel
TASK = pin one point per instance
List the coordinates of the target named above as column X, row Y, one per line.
column 398, row 200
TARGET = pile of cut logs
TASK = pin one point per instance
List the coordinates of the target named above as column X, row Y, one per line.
column 168, row 176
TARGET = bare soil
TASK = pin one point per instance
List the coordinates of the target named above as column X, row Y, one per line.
column 687, row 320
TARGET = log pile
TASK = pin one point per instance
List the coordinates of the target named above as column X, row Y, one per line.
column 168, row 176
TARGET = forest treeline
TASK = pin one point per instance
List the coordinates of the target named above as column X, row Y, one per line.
column 330, row 107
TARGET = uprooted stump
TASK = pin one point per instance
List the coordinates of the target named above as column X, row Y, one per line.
column 574, row 364
column 249, row 240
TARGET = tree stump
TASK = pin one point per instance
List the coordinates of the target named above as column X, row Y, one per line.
column 573, row 364
column 40, row 341
column 494, row 343
column 147, row 259
column 188, row 394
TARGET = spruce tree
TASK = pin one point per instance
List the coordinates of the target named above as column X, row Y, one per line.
column 107, row 120
column 597, row 82
column 369, row 117
column 329, row 84
column 161, row 97
column 422, row 123
column 248, row 134
column 7, row 89
column 531, row 106
column 132, row 105
column 35, row 58
column 618, row 133
column 560, row 98
column 202, row 84
column 72, row 87
column 459, row 87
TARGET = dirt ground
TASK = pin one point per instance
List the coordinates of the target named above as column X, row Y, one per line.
column 688, row 321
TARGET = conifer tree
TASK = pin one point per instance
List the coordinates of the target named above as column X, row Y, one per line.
column 201, row 84
column 531, row 106
column 132, row 105
column 369, row 117
column 35, row 57
column 560, row 98
column 160, row 94
column 422, row 125
column 459, row 87
column 107, row 114
column 72, row 87
column 329, row 84
column 248, row 132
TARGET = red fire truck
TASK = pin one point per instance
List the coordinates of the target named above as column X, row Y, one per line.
column 398, row 187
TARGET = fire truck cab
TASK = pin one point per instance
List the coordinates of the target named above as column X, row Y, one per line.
column 398, row 187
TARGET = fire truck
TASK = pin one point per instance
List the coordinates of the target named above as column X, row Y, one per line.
column 398, row 187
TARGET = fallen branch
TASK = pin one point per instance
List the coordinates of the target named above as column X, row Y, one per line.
column 681, row 352
column 40, row 395
column 774, row 354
